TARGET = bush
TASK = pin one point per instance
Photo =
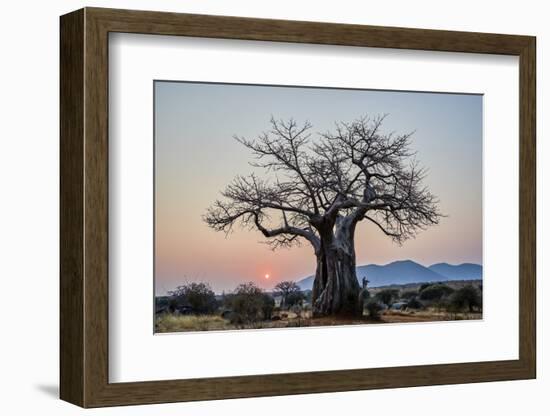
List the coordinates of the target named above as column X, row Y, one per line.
column 297, row 310
column 466, row 298
column 414, row 303
column 250, row 304
column 387, row 295
column 364, row 295
column 435, row 292
column 442, row 305
column 268, row 306
column 198, row 296
column 374, row 309
column 409, row 294
column 295, row 299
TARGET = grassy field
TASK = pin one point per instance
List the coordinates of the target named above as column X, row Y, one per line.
column 186, row 323
column 430, row 315
column 189, row 323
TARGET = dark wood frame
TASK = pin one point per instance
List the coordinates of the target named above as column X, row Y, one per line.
column 84, row 207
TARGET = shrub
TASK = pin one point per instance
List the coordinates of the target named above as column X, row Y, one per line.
column 295, row 299
column 414, row 303
column 247, row 301
column 165, row 304
column 409, row 294
column 442, row 305
column 466, row 298
column 387, row 295
column 365, row 294
column 268, row 304
column 297, row 310
column 198, row 296
column 435, row 292
column 250, row 304
column 374, row 309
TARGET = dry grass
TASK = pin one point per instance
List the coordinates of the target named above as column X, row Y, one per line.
column 428, row 315
column 190, row 323
column 181, row 323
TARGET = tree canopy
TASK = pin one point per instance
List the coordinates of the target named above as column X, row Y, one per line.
column 354, row 173
column 289, row 291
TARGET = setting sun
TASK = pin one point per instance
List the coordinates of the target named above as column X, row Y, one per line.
column 267, row 276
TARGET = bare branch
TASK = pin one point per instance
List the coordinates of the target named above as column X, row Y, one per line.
column 356, row 172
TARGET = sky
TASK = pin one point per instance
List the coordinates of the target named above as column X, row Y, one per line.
column 196, row 157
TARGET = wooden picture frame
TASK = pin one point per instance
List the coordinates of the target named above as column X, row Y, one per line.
column 84, row 207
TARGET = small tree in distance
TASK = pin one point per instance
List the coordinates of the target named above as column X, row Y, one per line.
column 435, row 292
column 387, row 296
column 289, row 291
column 197, row 295
column 250, row 304
column 295, row 299
column 409, row 294
column 466, row 298
column 268, row 304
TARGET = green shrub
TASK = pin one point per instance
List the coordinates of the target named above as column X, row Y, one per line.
column 466, row 298
column 250, row 304
column 366, row 295
column 409, row 294
column 197, row 295
column 268, row 304
column 442, row 305
column 374, row 309
column 387, row 296
column 435, row 292
column 414, row 303
column 295, row 299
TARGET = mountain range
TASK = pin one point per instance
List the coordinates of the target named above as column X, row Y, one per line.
column 408, row 271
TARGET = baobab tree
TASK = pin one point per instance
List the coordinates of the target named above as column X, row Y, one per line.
column 318, row 190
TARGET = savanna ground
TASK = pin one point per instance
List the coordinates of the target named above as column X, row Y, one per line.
column 191, row 323
column 194, row 306
column 253, row 309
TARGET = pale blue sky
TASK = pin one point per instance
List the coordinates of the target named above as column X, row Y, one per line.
column 196, row 158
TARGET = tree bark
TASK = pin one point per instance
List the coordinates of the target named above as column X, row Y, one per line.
column 335, row 288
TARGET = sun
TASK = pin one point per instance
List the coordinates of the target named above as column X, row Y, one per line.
column 266, row 276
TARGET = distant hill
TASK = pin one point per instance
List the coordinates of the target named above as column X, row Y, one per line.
column 455, row 284
column 458, row 272
column 407, row 271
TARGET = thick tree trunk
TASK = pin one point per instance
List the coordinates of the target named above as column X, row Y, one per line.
column 335, row 288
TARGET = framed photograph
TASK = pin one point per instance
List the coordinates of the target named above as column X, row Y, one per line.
column 255, row 207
